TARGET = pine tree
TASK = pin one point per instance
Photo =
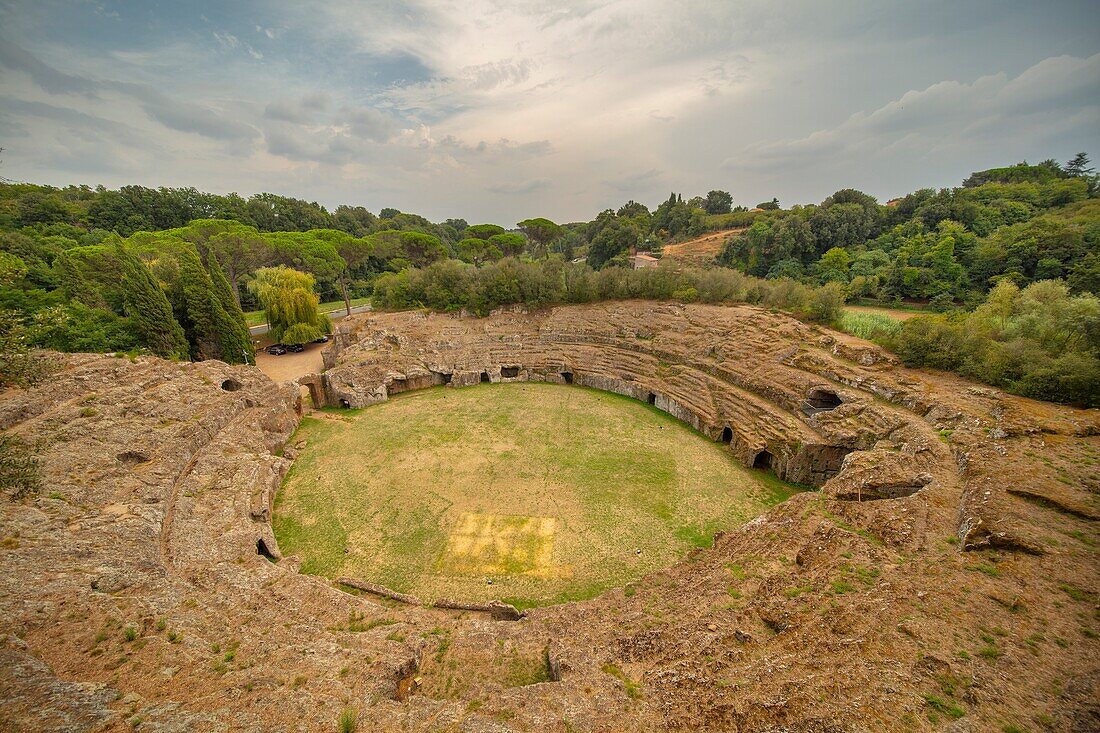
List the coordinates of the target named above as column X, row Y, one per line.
column 148, row 307
column 236, row 338
column 1078, row 167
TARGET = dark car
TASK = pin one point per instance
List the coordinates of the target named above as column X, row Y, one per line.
column 322, row 340
column 276, row 349
column 295, row 348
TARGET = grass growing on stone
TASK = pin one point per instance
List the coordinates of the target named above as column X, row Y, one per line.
column 554, row 493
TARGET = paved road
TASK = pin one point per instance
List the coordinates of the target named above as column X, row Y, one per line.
column 262, row 329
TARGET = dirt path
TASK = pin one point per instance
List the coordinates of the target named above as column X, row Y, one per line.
column 289, row 367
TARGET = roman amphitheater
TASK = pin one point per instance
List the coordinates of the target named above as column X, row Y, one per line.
column 935, row 570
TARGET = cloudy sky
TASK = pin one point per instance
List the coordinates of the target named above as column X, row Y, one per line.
column 497, row 110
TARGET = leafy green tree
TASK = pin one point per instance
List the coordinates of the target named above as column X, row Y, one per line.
column 239, row 248
column 483, row 231
column 478, row 251
column 672, row 217
column 615, row 239
column 847, row 224
column 11, row 268
column 833, row 265
column 542, row 232
column 772, row 205
column 718, row 202
column 510, row 243
column 311, row 251
column 632, row 209
column 1085, row 275
column 422, row 249
column 355, row 220
column 786, row 268
column 354, row 254
column 290, row 304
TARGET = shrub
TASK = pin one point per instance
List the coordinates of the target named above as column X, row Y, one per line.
column 19, row 470
column 348, row 720
column 929, row 341
column 825, row 304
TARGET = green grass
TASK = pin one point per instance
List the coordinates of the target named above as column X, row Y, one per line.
column 633, row 689
column 868, row 325
column 257, row 318
column 348, row 720
column 522, row 671
column 555, row 493
column 949, row 708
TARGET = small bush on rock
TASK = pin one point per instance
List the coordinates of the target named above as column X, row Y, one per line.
column 19, row 470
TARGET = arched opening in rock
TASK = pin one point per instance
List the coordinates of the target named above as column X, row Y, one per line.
column 316, row 395
column 763, row 460
column 821, row 400
column 567, row 377
column 445, row 377
column 652, row 399
column 262, row 549
column 485, row 378
column 509, row 372
column 727, row 434
column 344, row 403
column 231, row 385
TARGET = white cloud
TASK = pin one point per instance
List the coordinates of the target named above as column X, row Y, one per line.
column 557, row 107
column 950, row 115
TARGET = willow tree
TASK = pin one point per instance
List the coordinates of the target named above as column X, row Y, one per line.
column 289, row 304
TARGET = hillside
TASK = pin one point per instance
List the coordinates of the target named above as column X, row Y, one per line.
column 701, row 250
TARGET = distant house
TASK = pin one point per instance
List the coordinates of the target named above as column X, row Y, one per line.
column 643, row 260
column 755, row 208
column 893, row 202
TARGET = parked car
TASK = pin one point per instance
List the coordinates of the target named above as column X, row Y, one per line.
column 296, row 348
column 276, row 349
column 322, row 340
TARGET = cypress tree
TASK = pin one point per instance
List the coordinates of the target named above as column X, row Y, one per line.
column 73, row 283
column 235, row 336
column 148, row 307
column 201, row 307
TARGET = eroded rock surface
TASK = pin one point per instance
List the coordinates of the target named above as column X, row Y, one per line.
column 951, row 551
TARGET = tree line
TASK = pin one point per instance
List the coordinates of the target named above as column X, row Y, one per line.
column 1022, row 223
column 171, row 271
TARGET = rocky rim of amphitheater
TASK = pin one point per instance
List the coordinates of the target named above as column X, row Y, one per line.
column 946, row 567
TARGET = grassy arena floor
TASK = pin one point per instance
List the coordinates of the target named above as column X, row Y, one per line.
column 550, row 491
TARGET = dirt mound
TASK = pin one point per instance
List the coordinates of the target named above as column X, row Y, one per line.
column 946, row 570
